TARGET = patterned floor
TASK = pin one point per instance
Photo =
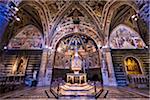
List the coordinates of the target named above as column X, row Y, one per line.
column 44, row 93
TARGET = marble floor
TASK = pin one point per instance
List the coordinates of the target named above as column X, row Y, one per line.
column 114, row 93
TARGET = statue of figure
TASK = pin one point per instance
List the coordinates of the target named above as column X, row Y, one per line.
column 76, row 63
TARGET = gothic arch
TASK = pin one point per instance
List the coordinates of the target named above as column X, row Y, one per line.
column 91, row 34
column 67, row 9
column 29, row 37
column 110, row 8
column 124, row 37
column 41, row 9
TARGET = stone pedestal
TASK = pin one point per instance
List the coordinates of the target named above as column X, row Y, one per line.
column 76, row 78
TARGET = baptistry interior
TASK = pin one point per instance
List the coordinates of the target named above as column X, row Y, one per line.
column 82, row 49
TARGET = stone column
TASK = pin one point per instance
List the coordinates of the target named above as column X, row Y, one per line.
column 49, row 68
column 7, row 13
column 46, row 67
column 103, row 68
column 42, row 71
column 3, row 19
column 112, row 78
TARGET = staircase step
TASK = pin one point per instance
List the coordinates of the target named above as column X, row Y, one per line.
column 77, row 90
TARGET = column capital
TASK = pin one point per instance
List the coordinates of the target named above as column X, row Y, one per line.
column 106, row 49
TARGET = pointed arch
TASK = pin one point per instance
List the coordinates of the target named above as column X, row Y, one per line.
column 62, row 14
column 109, row 10
column 60, row 35
column 41, row 9
column 28, row 38
column 123, row 37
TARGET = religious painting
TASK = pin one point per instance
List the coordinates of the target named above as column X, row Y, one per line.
column 123, row 37
column 20, row 65
column 132, row 66
column 84, row 45
column 29, row 38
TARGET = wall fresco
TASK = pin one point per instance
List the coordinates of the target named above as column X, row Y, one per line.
column 123, row 37
column 29, row 38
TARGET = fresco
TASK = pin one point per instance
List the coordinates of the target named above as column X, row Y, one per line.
column 20, row 65
column 132, row 66
column 123, row 37
column 29, row 38
column 85, row 46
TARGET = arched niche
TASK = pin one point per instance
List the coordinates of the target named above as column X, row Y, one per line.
column 87, row 49
column 132, row 66
column 28, row 38
column 123, row 37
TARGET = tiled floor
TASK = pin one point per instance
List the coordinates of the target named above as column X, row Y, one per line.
column 113, row 92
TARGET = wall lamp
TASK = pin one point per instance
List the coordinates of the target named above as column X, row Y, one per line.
column 135, row 17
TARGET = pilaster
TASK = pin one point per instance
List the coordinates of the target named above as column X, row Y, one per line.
column 43, row 67
column 45, row 74
column 49, row 68
column 111, row 77
column 103, row 68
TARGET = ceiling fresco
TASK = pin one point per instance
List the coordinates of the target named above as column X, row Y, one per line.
column 82, row 43
column 94, row 18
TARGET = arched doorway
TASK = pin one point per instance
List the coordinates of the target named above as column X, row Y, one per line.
column 88, row 51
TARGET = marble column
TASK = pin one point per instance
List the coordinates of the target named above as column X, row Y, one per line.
column 111, row 77
column 42, row 71
column 7, row 13
column 3, row 19
column 103, row 68
column 45, row 74
column 49, row 68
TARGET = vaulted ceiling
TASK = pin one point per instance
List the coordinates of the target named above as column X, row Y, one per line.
column 46, row 15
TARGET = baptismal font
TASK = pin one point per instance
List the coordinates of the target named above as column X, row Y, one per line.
column 76, row 83
column 76, row 66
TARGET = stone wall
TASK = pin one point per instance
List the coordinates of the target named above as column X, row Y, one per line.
column 33, row 64
column 118, row 62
